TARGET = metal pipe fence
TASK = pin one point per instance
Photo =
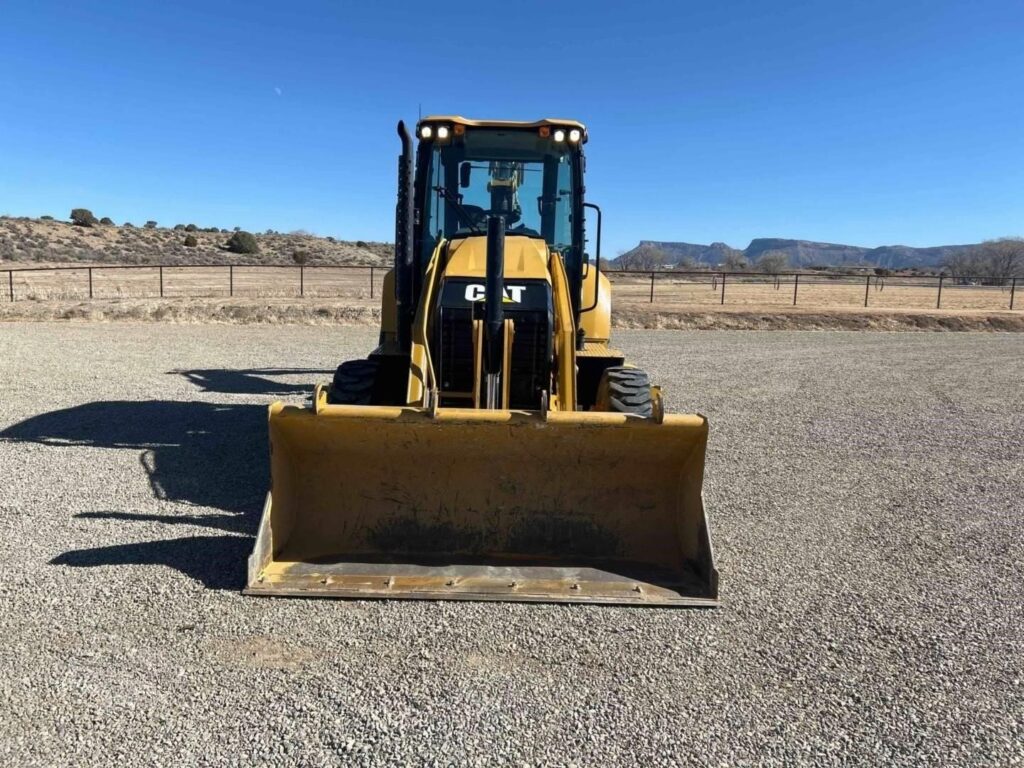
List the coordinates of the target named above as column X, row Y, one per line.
column 665, row 288
column 146, row 281
column 814, row 289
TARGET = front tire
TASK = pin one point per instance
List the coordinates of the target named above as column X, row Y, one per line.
column 354, row 383
column 625, row 390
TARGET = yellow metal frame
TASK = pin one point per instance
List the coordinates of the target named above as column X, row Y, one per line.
column 421, row 369
column 565, row 339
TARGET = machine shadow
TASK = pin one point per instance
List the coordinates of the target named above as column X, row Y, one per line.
column 253, row 381
column 217, row 562
column 207, row 455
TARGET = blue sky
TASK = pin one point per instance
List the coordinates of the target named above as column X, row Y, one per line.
column 859, row 122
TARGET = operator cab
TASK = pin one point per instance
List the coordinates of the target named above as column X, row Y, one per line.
column 531, row 174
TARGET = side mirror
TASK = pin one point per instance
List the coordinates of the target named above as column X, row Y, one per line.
column 597, row 259
column 464, row 171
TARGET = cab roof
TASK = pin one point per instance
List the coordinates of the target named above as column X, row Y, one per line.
column 553, row 122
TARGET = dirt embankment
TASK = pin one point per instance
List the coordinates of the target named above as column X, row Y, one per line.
column 747, row 319
column 355, row 312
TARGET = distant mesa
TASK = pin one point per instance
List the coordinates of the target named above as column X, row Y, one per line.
column 801, row 253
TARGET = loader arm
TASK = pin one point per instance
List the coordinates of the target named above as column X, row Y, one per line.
column 421, row 373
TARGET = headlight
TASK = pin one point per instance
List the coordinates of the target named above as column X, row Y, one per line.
column 426, row 131
column 559, row 135
column 575, row 135
column 442, row 132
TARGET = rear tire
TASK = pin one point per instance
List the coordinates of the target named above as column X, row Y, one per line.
column 625, row 390
column 354, row 383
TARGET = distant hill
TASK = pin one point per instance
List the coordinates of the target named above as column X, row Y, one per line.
column 45, row 241
column 806, row 253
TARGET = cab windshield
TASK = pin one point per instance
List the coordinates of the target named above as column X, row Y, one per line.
column 485, row 172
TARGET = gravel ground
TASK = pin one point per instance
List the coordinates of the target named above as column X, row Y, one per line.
column 865, row 493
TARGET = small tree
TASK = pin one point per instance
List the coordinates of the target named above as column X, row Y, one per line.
column 107, row 221
column 128, row 225
column 735, row 261
column 773, row 262
column 191, row 241
column 150, row 224
column 46, row 218
column 300, row 257
column 191, row 228
column 643, row 258
column 966, row 265
column 82, row 217
column 243, row 242
column 1003, row 258
column 179, row 227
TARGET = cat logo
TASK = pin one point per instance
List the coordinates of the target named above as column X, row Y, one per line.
column 513, row 293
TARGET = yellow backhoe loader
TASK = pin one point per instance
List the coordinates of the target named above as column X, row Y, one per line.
column 494, row 446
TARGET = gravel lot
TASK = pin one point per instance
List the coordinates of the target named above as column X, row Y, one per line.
column 865, row 493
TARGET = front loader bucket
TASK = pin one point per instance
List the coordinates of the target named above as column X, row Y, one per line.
column 391, row 502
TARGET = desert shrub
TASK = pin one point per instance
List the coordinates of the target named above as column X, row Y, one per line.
column 107, row 221
column 210, row 229
column 222, row 231
column 191, row 228
column 191, row 241
column 243, row 242
column 46, row 218
column 83, row 217
column 331, row 240
column 360, row 244
column 150, row 224
column 300, row 257
column 128, row 225
column 179, row 227
column 238, row 229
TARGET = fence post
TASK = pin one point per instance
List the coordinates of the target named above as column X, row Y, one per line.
column 371, row 282
column 652, row 287
column 867, row 287
column 723, row 288
column 938, row 301
column 796, row 284
column 90, row 282
column 302, row 281
column 231, row 279
column 161, row 281
column 10, row 282
column 1013, row 290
